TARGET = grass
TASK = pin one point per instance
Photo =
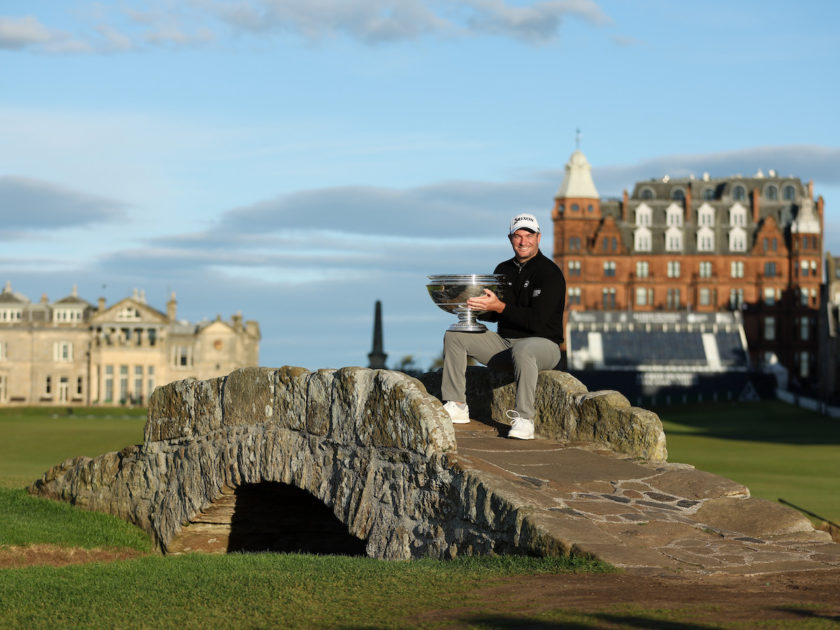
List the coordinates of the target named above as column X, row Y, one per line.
column 33, row 439
column 31, row 520
column 776, row 450
column 250, row 590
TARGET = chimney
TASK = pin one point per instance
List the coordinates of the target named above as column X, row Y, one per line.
column 687, row 210
column 755, row 206
column 625, row 206
column 100, row 306
column 237, row 321
column 171, row 307
column 377, row 356
column 810, row 188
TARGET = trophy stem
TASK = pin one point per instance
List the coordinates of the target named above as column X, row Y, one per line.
column 466, row 321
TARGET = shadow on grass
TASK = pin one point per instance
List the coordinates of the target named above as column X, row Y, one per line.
column 587, row 620
column 764, row 421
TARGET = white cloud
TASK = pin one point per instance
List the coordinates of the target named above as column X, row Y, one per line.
column 36, row 205
column 27, row 32
column 372, row 22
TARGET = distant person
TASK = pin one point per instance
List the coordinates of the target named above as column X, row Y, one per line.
column 530, row 329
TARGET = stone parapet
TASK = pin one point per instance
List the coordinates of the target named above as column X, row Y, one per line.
column 566, row 410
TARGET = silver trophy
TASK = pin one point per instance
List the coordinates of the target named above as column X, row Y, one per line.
column 451, row 292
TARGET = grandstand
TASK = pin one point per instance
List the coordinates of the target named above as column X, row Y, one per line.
column 661, row 357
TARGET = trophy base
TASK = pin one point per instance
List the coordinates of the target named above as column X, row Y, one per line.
column 467, row 327
column 466, row 321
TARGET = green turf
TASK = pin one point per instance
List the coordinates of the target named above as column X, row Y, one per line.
column 250, row 591
column 33, row 439
column 775, row 449
column 30, row 520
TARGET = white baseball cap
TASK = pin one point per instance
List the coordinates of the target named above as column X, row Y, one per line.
column 524, row 221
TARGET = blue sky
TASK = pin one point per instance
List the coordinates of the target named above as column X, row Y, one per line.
column 297, row 161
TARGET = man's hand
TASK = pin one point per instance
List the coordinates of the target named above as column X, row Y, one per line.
column 488, row 302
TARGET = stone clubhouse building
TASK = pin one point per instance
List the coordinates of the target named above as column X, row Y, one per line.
column 70, row 352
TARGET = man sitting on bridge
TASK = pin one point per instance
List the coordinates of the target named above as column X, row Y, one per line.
column 530, row 329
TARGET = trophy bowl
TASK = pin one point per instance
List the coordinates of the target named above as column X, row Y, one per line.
column 451, row 292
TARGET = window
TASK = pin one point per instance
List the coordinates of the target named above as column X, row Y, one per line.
column 123, row 383
column 608, row 297
column 48, row 385
column 737, row 240
column 609, row 243
column 769, row 296
column 647, row 193
column 574, row 295
column 609, row 268
column 574, row 267
column 678, row 194
column 736, row 298
column 182, row 356
column 706, row 269
column 62, row 351
column 673, row 239
column 738, row 215
column 574, row 243
column 739, row 193
column 80, row 386
column 789, row 193
column 803, row 297
column 705, row 296
column 673, row 268
column 708, row 194
column 813, row 267
column 138, row 381
column 644, row 296
column 643, row 215
column 705, row 240
column 804, row 266
column 674, row 216
column 804, row 364
column 10, row 315
column 109, row 383
column 804, row 328
column 771, row 192
column 706, row 215
column 673, row 299
column 736, row 269
column 770, row 269
column 770, row 328
column 641, row 239
column 128, row 313
column 642, row 269
column 590, row 208
column 575, row 207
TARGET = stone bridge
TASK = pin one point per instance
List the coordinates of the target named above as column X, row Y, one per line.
column 367, row 461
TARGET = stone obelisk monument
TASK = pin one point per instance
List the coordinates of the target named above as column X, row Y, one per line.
column 377, row 355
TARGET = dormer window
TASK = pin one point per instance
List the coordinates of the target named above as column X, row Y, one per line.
column 789, row 193
column 706, row 215
column 643, row 215
column 737, row 240
column 771, row 192
column 738, row 215
column 678, row 194
column 673, row 239
column 708, row 194
column 647, row 194
column 705, row 240
column 641, row 239
column 674, row 216
column 739, row 193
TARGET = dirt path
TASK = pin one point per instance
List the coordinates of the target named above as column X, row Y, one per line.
column 55, row 556
column 631, row 599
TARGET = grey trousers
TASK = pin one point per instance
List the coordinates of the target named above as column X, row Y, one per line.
column 524, row 357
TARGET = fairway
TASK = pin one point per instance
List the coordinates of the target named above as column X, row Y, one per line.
column 775, row 449
column 33, row 439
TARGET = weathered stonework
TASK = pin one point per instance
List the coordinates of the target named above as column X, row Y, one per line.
column 566, row 410
column 371, row 444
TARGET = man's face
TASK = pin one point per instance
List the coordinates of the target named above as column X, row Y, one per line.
column 525, row 244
